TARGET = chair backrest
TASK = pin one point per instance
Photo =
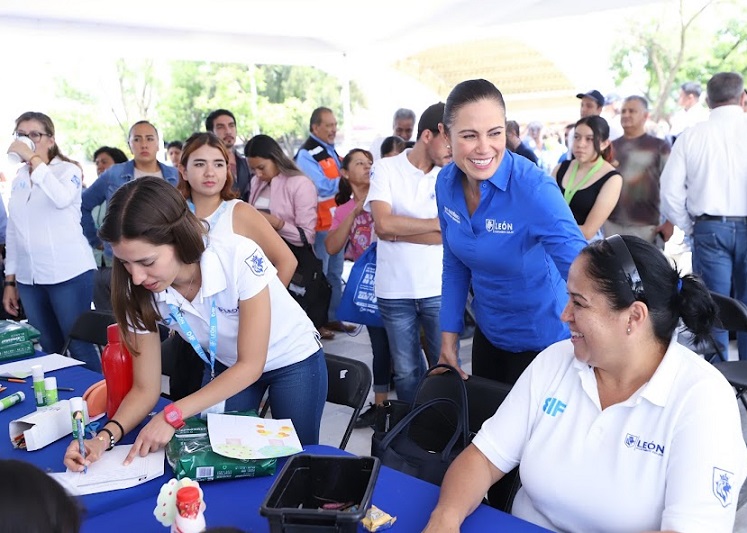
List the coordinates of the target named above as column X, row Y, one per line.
column 90, row 327
column 349, row 382
column 731, row 313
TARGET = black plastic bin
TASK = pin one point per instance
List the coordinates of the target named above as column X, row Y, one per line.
column 294, row 502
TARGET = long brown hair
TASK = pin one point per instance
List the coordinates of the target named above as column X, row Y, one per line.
column 48, row 126
column 195, row 141
column 151, row 210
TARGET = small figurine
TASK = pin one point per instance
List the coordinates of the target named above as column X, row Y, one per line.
column 181, row 506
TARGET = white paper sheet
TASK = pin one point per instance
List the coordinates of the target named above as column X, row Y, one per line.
column 250, row 437
column 50, row 363
column 108, row 473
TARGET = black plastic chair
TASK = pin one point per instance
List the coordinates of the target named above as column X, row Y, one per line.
column 349, row 381
column 90, row 327
column 733, row 316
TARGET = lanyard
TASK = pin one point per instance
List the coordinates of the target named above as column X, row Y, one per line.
column 176, row 313
column 572, row 188
column 215, row 216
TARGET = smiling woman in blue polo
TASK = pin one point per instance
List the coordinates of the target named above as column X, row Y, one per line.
column 506, row 231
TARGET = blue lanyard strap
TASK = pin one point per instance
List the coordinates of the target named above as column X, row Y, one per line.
column 177, row 315
column 215, row 216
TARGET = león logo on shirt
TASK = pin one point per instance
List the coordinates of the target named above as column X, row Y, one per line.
column 635, row 442
column 256, row 262
column 722, row 486
column 493, row 226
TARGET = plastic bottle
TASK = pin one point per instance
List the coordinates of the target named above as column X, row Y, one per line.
column 116, row 364
column 37, row 375
column 189, row 511
column 50, row 391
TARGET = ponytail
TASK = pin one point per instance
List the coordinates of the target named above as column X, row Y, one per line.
column 697, row 309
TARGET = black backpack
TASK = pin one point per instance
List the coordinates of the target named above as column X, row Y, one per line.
column 308, row 286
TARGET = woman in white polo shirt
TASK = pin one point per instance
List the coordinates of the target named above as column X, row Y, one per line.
column 619, row 428
column 49, row 264
column 226, row 296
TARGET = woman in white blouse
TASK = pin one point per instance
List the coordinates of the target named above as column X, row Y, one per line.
column 49, row 264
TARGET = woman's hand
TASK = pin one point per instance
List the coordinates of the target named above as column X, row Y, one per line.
column 10, row 300
column 440, row 524
column 21, row 149
column 94, row 449
column 448, row 355
column 155, row 435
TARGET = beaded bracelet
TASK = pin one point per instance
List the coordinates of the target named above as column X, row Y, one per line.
column 111, row 438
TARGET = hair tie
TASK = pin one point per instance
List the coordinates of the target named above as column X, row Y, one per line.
column 679, row 284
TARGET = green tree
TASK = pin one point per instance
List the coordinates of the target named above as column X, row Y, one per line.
column 660, row 45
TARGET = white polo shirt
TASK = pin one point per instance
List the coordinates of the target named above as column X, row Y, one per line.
column 44, row 239
column 671, row 457
column 235, row 268
column 405, row 270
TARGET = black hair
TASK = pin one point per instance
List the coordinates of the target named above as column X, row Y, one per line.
column 215, row 114
column 316, row 116
column 692, row 87
column 391, row 143
column 601, row 131
column 32, row 502
column 468, row 92
column 117, row 155
column 140, row 122
column 724, row 88
column 174, row 144
column 345, row 190
column 666, row 301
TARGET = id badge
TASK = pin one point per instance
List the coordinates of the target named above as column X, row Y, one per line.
column 218, row 408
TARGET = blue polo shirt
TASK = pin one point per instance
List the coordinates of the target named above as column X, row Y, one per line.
column 516, row 250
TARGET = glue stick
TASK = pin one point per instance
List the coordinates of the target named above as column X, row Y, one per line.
column 50, row 390
column 10, row 401
column 37, row 374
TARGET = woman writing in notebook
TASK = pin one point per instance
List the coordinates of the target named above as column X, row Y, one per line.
column 220, row 292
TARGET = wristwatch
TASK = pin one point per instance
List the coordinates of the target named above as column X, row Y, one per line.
column 173, row 416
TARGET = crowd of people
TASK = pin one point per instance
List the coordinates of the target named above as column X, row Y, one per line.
column 575, row 304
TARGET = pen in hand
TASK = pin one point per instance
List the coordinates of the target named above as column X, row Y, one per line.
column 81, row 436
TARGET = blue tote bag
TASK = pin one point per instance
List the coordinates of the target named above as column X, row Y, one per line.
column 358, row 303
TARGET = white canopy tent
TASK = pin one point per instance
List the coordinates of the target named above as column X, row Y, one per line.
column 344, row 37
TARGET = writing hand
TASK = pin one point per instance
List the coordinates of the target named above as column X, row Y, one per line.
column 75, row 462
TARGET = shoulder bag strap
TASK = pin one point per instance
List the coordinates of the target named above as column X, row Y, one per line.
column 405, row 423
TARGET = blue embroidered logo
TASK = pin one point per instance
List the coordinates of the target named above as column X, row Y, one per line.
column 722, row 486
column 635, row 442
column 493, row 226
column 553, row 406
column 453, row 215
column 225, row 311
column 166, row 321
column 256, row 263
column 76, row 180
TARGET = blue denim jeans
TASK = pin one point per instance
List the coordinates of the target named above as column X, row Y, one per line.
column 297, row 391
column 53, row 310
column 332, row 265
column 720, row 258
column 382, row 358
column 403, row 319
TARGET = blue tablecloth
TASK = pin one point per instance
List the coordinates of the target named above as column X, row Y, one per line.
column 50, row 457
column 236, row 503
